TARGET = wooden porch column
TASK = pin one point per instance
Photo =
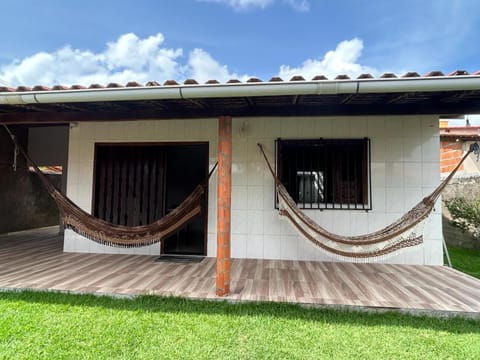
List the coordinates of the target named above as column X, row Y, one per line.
column 224, row 194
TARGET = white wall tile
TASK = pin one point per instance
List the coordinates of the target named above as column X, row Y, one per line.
column 379, row 174
column 430, row 174
column 272, row 247
column 239, row 220
column 378, row 149
column 255, row 222
column 212, row 244
column 395, row 199
column 358, row 127
column 379, row 199
column 306, row 127
column 272, row 224
column 394, row 149
column 412, row 149
column 289, row 247
column 412, row 172
column 411, row 126
column 430, row 126
column 430, row 149
column 394, row 126
column 413, row 195
column 399, row 145
column 239, row 173
column 341, row 127
column 255, row 173
column 255, row 247
column 394, row 174
column 323, row 127
column 239, row 246
column 376, row 126
column 255, row 197
column 240, row 197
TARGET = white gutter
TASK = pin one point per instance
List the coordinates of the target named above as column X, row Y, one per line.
column 321, row 87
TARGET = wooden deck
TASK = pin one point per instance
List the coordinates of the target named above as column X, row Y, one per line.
column 34, row 260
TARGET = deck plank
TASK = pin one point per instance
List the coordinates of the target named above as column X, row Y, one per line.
column 34, row 260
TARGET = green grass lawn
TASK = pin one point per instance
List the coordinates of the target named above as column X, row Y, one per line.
column 52, row 325
column 467, row 261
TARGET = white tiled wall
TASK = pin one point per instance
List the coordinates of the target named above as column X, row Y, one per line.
column 405, row 167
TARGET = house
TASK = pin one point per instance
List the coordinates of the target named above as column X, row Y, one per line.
column 454, row 142
column 355, row 154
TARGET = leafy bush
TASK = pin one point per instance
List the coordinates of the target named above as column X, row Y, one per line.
column 465, row 214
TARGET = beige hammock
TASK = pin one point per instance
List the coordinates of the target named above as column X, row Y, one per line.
column 403, row 233
column 105, row 233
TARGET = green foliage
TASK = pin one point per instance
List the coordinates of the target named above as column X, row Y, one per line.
column 465, row 260
column 465, row 214
column 42, row 325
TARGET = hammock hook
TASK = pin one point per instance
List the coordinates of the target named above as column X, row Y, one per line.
column 475, row 148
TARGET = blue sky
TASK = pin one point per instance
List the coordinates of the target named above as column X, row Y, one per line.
column 58, row 41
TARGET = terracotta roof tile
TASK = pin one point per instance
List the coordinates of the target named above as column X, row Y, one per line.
column 133, row 84
column 115, row 85
column 388, row 75
column 434, row 73
column 365, row 76
column 458, row 72
column 23, row 88
column 297, row 78
column 410, row 74
column 40, row 88
column 193, row 82
column 60, row 87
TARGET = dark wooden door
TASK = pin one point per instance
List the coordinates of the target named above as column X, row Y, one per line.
column 129, row 184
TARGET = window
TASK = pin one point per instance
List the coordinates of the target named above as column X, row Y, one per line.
column 326, row 173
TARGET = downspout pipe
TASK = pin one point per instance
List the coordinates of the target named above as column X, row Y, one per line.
column 172, row 92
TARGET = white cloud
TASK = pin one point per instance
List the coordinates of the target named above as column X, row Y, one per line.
column 127, row 59
column 131, row 58
column 242, row 5
column 342, row 60
column 203, row 67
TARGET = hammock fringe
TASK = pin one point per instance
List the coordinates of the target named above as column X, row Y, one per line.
column 106, row 233
column 402, row 234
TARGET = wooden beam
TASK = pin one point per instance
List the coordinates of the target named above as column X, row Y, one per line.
column 224, row 194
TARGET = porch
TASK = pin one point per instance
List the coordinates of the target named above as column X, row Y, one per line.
column 34, row 260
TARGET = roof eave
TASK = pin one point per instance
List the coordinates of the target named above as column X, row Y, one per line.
column 194, row 91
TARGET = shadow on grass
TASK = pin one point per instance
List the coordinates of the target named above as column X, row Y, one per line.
column 157, row 304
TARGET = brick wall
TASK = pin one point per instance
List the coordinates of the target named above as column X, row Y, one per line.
column 451, row 152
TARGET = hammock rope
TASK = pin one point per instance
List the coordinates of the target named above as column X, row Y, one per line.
column 406, row 232
column 106, row 233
